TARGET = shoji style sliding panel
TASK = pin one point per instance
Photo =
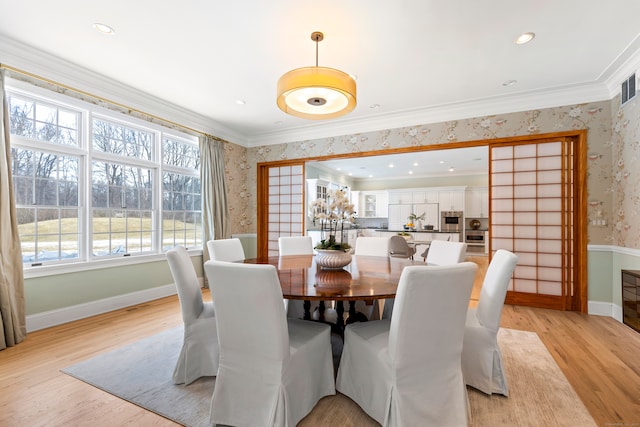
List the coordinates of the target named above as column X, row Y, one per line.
column 285, row 204
column 532, row 215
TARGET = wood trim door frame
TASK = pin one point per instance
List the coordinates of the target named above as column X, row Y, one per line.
column 578, row 300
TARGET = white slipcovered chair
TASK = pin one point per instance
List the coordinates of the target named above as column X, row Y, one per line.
column 229, row 250
column 481, row 357
column 372, row 246
column 199, row 354
column 405, row 371
column 443, row 252
column 273, row 370
column 295, row 245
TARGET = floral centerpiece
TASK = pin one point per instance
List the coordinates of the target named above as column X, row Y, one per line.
column 332, row 213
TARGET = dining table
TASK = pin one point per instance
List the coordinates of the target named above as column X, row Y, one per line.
column 366, row 278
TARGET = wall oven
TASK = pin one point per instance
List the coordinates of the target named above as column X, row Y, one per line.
column 474, row 237
column 451, row 221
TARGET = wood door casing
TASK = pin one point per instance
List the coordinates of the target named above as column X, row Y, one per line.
column 574, row 261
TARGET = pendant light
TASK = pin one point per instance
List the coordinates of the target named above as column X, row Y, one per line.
column 316, row 93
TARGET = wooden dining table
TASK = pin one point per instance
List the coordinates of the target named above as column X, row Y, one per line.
column 366, row 278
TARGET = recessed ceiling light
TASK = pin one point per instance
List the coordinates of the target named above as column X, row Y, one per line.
column 451, row 169
column 370, row 176
column 391, row 165
column 104, row 28
column 415, row 163
column 525, row 38
column 441, row 162
column 410, row 172
column 350, row 174
column 509, row 83
column 241, row 102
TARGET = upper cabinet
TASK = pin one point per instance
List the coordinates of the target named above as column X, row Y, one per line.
column 372, row 204
column 477, row 202
column 451, row 199
column 400, row 197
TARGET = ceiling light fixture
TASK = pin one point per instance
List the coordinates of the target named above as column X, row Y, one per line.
column 525, row 38
column 316, row 92
column 104, row 28
column 451, row 169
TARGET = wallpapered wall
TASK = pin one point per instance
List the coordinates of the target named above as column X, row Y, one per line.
column 606, row 192
column 624, row 184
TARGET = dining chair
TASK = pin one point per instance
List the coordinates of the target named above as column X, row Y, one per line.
column 481, row 357
column 372, row 246
column 199, row 354
column 295, row 245
column 399, row 248
column 302, row 245
column 442, row 252
column 405, row 371
column 229, row 250
column 273, row 369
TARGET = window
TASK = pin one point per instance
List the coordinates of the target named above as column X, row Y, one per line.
column 91, row 184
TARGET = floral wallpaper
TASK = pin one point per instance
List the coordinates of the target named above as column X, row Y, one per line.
column 597, row 117
column 625, row 181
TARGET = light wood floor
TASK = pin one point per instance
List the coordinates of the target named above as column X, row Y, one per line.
column 599, row 356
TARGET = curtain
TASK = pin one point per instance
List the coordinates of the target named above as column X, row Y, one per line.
column 12, row 309
column 215, row 210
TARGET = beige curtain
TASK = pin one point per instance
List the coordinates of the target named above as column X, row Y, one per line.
column 12, row 312
column 215, row 210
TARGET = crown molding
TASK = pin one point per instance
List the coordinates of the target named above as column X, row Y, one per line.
column 57, row 70
column 516, row 102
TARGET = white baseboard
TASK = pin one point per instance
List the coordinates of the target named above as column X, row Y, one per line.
column 608, row 309
column 68, row 314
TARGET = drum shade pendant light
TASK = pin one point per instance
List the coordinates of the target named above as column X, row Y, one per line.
column 316, row 93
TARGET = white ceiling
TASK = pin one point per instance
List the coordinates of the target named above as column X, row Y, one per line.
column 433, row 163
column 419, row 60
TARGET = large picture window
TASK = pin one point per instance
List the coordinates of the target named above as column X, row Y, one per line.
column 91, row 184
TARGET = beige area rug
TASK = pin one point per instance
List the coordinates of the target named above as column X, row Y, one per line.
column 141, row 372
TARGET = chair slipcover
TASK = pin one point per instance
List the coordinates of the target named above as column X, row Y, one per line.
column 405, row 371
column 481, row 357
column 199, row 354
column 399, row 248
column 295, row 245
column 229, row 250
column 273, row 370
column 372, row 246
column 442, row 252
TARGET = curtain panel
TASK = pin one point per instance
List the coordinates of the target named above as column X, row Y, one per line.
column 215, row 209
column 12, row 305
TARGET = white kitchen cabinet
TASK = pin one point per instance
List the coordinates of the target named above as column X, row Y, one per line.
column 431, row 213
column 372, row 204
column 477, row 202
column 398, row 215
column 400, row 197
column 451, row 200
column 425, row 196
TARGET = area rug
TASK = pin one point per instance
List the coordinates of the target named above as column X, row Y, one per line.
column 141, row 374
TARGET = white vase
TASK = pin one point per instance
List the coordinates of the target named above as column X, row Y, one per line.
column 332, row 258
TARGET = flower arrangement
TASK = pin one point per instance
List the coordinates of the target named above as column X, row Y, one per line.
column 333, row 212
column 413, row 217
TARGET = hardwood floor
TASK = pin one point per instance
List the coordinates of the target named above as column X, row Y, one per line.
column 599, row 356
